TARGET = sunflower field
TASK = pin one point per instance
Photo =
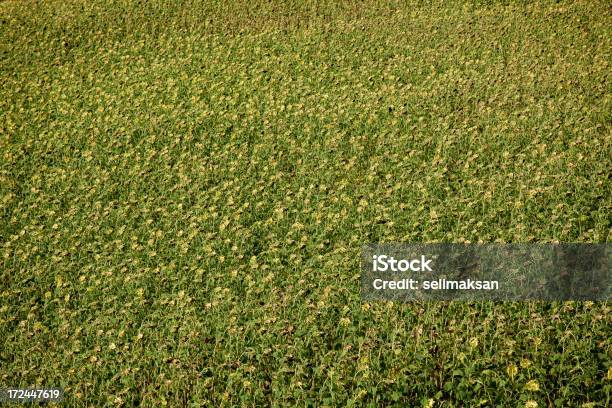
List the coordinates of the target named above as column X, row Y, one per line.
column 185, row 187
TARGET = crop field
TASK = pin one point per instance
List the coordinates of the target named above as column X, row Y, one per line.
column 185, row 187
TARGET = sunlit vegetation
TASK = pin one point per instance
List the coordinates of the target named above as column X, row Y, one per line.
column 185, row 187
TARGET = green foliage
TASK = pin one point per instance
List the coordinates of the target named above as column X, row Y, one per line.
column 185, row 187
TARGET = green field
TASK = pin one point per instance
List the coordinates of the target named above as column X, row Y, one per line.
column 185, row 187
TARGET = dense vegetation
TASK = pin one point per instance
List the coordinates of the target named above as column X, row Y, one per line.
column 185, row 187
